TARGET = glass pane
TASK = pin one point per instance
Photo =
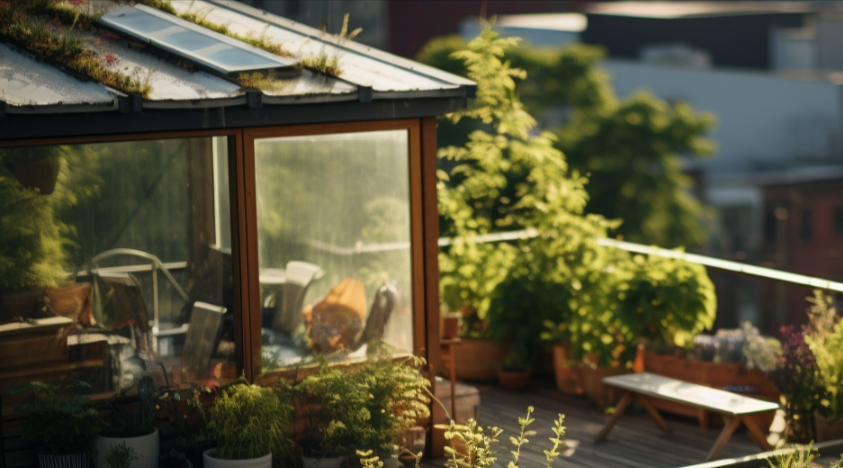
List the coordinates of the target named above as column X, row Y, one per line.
column 334, row 243
column 109, row 254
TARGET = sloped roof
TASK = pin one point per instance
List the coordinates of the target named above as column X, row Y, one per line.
column 369, row 76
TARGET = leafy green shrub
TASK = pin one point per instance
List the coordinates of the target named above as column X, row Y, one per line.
column 59, row 420
column 368, row 408
column 668, row 301
column 121, row 456
column 249, row 421
column 828, row 352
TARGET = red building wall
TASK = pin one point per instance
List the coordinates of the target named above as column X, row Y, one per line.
column 413, row 22
column 809, row 246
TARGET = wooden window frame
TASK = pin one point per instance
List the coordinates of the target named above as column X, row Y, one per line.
column 244, row 237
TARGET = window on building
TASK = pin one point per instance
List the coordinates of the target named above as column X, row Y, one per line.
column 333, row 217
column 805, row 226
column 116, row 258
column 838, row 222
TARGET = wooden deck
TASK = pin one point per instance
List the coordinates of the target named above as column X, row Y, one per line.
column 635, row 442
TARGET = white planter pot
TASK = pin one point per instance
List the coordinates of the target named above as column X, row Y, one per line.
column 213, row 462
column 390, row 460
column 73, row 460
column 308, row 462
column 145, row 446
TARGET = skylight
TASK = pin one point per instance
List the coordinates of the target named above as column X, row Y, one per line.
column 197, row 44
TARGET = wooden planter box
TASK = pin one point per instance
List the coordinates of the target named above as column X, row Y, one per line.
column 711, row 374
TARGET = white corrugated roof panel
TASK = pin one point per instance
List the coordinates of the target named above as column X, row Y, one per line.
column 358, row 68
column 26, row 82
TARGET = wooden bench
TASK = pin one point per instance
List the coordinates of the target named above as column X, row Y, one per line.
column 736, row 409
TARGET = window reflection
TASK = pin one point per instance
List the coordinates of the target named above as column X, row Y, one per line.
column 334, row 245
column 115, row 259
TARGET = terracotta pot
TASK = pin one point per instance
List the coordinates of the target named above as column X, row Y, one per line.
column 477, row 359
column 514, row 379
column 592, row 384
column 449, row 327
column 828, row 429
column 568, row 375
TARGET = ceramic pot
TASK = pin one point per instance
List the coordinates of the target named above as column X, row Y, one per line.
column 390, row 460
column 333, row 462
column 514, row 379
column 211, row 461
column 146, row 446
column 72, row 460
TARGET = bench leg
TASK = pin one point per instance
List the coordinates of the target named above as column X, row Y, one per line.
column 732, row 423
column 626, row 399
column 756, row 432
column 654, row 413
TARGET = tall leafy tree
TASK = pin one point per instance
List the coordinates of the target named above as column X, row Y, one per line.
column 631, row 149
column 508, row 177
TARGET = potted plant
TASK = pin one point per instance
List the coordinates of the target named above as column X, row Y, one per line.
column 397, row 399
column 129, row 421
column 824, row 336
column 120, row 456
column 60, row 422
column 249, row 425
column 515, row 370
column 181, row 421
column 332, row 407
column 797, row 379
column 449, row 322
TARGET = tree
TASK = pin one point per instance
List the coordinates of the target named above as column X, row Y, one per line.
column 506, row 177
column 630, row 149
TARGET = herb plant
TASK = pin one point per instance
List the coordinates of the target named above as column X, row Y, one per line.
column 121, row 456
column 249, row 421
column 472, row 446
column 800, row 457
column 59, row 419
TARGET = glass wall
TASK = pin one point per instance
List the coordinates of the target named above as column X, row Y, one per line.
column 334, row 246
column 115, row 258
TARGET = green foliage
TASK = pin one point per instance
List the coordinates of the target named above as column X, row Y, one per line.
column 668, row 301
column 34, row 243
column 59, row 419
column 629, row 148
column 802, row 456
column 121, row 456
column 507, row 178
column 368, row 408
column 248, row 421
column 131, row 415
column 472, row 446
column 824, row 336
column 182, row 418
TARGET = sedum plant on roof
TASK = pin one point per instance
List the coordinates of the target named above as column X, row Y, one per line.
column 48, row 29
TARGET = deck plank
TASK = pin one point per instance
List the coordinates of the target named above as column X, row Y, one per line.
column 635, row 442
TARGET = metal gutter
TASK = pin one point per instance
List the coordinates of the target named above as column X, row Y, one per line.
column 171, row 120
